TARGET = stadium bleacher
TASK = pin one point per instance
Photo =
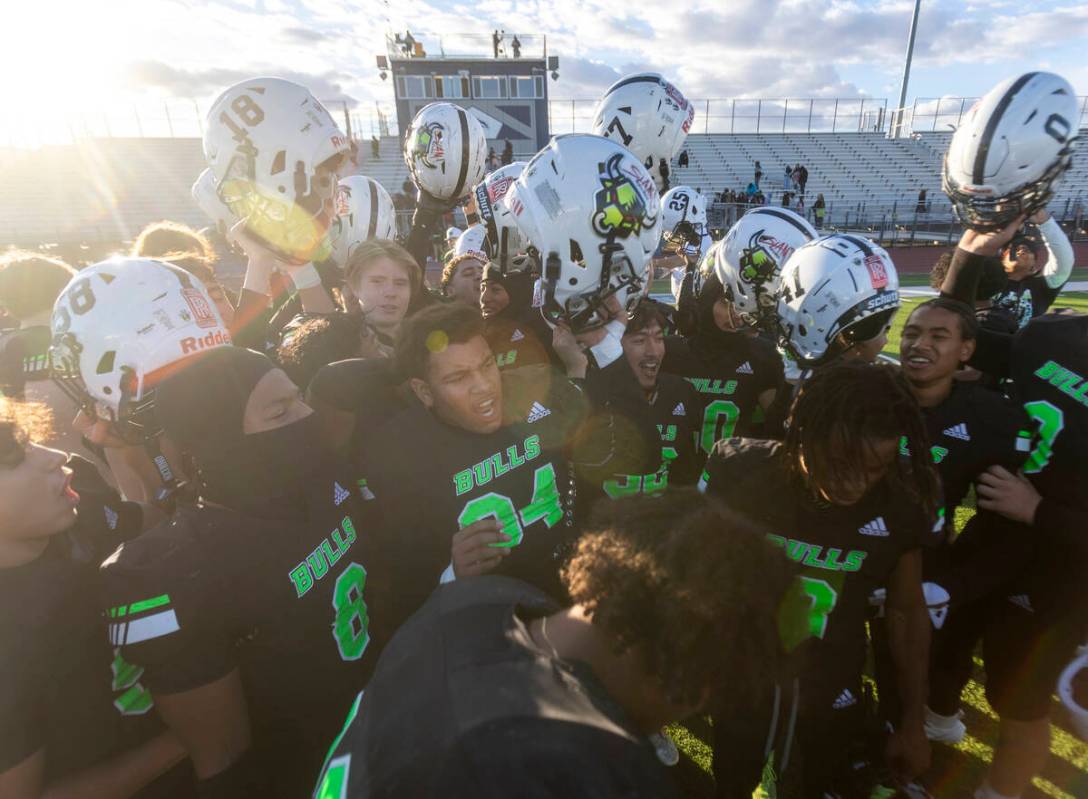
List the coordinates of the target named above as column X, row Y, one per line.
column 103, row 189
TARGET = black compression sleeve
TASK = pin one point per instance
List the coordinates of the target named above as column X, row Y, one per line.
column 961, row 282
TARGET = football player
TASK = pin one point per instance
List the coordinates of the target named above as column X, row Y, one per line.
column 268, row 582
column 840, row 502
column 513, row 328
column 68, row 727
column 1031, row 290
column 1034, row 628
column 461, row 278
column 737, row 373
column 499, row 494
column 493, row 660
column 1040, row 613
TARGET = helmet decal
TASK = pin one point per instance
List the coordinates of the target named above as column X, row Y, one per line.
column 878, row 275
column 621, row 207
column 428, row 146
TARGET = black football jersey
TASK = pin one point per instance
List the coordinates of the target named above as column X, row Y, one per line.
column 515, row 342
column 433, row 479
column 293, row 603
column 465, row 703
column 1025, row 299
column 844, row 553
column 1050, row 380
column 62, row 687
column 975, row 428
column 729, row 381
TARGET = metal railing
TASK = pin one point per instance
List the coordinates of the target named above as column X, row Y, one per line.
column 740, row 115
column 901, row 224
column 409, row 45
column 933, row 114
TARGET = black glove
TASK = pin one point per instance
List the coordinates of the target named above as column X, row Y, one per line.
column 103, row 520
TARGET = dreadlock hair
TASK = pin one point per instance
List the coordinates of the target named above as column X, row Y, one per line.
column 838, row 416
column 687, row 584
column 964, row 313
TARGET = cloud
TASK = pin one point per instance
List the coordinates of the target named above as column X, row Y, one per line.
column 176, row 82
column 300, row 35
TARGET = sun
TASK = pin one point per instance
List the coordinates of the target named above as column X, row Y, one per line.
column 57, row 59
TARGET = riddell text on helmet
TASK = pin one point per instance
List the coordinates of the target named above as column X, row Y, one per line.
column 191, row 344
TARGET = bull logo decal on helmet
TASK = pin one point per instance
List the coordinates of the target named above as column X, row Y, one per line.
column 757, row 264
column 428, row 145
column 620, row 204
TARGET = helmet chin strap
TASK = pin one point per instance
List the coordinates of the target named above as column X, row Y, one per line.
column 166, row 495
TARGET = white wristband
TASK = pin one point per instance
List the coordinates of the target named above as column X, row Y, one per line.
column 305, row 277
column 448, row 575
column 609, row 348
column 258, row 277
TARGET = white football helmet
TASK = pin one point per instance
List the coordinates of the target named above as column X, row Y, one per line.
column 749, row 260
column 683, row 219
column 837, row 291
column 472, row 240
column 445, row 150
column 504, row 240
column 118, row 324
column 275, row 153
column 647, row 115
column 592, row 214
column 206, row 195
column 1078, row 713
column 1010, row 152
column 364, row 211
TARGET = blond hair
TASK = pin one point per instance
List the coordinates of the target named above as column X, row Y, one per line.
column 370, row 251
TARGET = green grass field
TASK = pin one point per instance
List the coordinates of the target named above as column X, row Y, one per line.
column 957, row 770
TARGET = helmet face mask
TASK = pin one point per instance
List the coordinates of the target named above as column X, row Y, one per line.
column 275, row 153
column 837, row 291
column 592, row 212
column 121, row 324
column 1009, row 154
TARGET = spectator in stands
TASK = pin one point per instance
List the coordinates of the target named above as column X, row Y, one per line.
column 795, row 178
column 800, row 205
column 787, row 179
column 758, row 174
column 495, row 42
column 663, row 168
column 922, row 206
column 185, row 248
column 819, row 208
column 750, row 192
column 682, row 161
column 516, row 46
column 786, row 199
column 492, row 160
column 409, row 44
column 802, row 177
column 375, row 147
column 507, row 153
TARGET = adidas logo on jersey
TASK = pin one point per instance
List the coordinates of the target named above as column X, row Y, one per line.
column 339, row 494
column 679, row 410
column 745, row 368
column 876, row 528
column 958, row 431
column 846, row 699
column 517, row 335
column 537, row 412
column 1022, row 601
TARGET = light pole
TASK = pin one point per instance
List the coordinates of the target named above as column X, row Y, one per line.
column 906, row 71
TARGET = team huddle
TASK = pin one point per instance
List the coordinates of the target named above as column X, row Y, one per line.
column 344, row 535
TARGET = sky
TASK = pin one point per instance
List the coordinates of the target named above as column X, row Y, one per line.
column 60, row 57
